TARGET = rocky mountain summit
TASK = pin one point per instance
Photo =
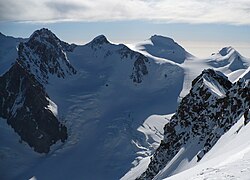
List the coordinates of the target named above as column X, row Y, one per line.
column 98, row 110
column 211, row 108
column 44, row 55
column 24, row 101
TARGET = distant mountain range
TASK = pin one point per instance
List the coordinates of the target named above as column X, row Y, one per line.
column 105, row 111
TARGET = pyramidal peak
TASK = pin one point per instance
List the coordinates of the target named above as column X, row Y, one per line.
column 99, row 40
column 47, row 37
column 227, row 50
column 48, row 56
column 214, row 81
column 212, row 75
column 42, row 34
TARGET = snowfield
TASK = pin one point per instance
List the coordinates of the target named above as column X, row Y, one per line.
column 114, row 123
column 228, row 159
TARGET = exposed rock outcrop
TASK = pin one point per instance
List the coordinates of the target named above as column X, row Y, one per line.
column 44, row 55
column 25, row 105
column 211, row 108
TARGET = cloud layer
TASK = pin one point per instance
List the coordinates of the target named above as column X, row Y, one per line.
column 163, row 11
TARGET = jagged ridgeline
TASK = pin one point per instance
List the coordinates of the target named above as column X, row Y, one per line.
column 24, row 101
column 44, row 55
column 211, row 108
column 41, row 59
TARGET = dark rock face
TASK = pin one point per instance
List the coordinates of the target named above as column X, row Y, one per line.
column 202, row 117
column 101, row 44
column 139, row 67
column 24, row 103
column 44, row 55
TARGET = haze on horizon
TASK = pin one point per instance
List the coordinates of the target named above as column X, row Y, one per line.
column 202, row 27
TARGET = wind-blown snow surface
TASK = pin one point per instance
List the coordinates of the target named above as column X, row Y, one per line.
column 8, row 51
column 228, row 159
column 103, row 108
column 14, row 153
column 112, row 122
column 164, row 47
column 192, row 67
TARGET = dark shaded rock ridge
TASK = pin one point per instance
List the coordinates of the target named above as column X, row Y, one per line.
column 202, row 117
column 24, row 103
column 44, row 55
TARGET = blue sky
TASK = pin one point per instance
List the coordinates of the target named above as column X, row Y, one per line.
column 202, row 27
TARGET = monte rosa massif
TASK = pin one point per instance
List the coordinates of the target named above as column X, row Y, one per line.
column 149, row 110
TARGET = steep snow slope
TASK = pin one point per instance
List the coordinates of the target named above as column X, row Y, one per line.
column 230, row 62
column 228, row 159
column 108, row 99
column 152, row 128
column 114, row 90
column 8, row 51
column 192, row 67
column 106, row 104
column 15, row 154
column 164, row 47
column 245, row 74
column 227, row 60
column 201, row 119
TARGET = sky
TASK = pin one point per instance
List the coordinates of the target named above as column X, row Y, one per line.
column 201, row 27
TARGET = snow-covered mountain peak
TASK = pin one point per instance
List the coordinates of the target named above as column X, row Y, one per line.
column 228, row 59
column 101, row 39
column 211, row 74
column 98, row 42
column 164, row 47
column 48, row 38
column 211, row 81
column 162, row 41
column 227, row 50
column 44, row 36
column 8, row 52
column 43, row 33
column 44, row 55
column 200, row 120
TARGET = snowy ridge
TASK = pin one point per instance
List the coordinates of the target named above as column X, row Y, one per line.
column 95, row 108
column 228, row 58
column 100, row 52
column 24, row 103
column 212, row 83
column 246, row 74
column 43, row 55
column 188, row 127
column 8, row 52
column 107, row 101
column 164, row 47
column 228, row 159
